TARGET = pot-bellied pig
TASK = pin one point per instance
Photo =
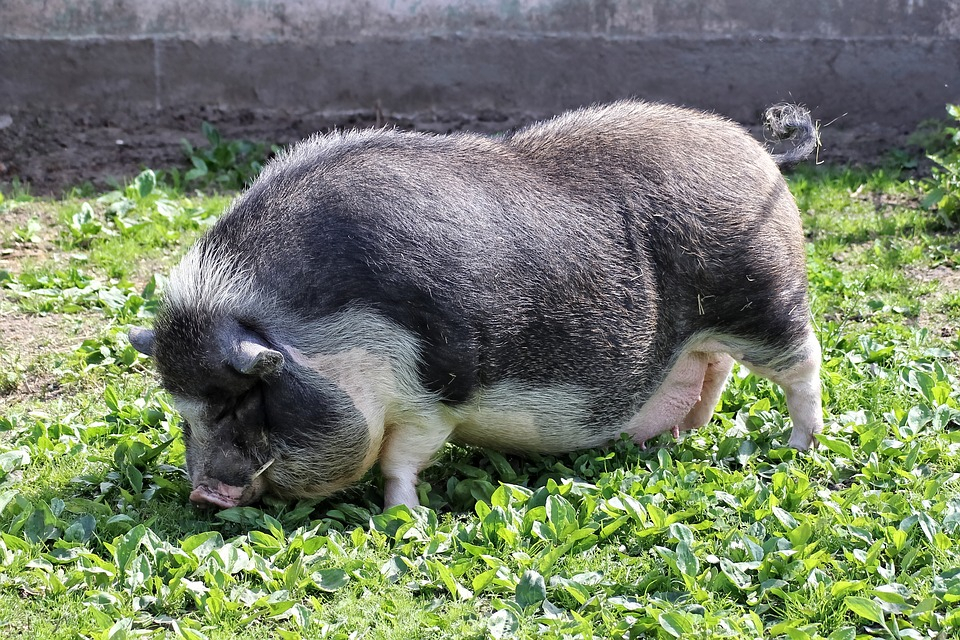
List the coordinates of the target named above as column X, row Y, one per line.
column 375, row 294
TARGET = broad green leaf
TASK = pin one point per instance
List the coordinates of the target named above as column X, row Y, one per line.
column 40, row 524
column 502, row 624
column 577, row 590
column 120, row 630
column 81, row 530
column 146, row 182
column 681, row 533
column 456, row 589
column 928, row 525
column 501, row 465
column 210, row 133
column 799, row 536
column 746, row 450
column 329, row 580
column 610, row 528
column 185, row 632
column 202, row 544
column 112, row 398
column 763, row 404
column 785, row 518
column 924, row 383
column 736, row 575
column 628, row 603
column 676, row 623
column 787, row 627
column 15, row 459
column 531, row 590
column 843, row 633
column 657, row 516
column 865, row 608
column 561, row 514
column 633, row 507
column 840, row 447
column 687, row 561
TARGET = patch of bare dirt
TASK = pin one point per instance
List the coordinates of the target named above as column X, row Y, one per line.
column 55, row 150
column 886, row 201
column 20, row 214
column 948, row 282
column 25, row 342
column 19, row 243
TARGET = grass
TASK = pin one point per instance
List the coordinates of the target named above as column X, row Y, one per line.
column 725, row 533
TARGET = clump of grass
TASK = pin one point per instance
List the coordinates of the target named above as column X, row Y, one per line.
column 12, row 371
column 943, row 187
column 224, row 164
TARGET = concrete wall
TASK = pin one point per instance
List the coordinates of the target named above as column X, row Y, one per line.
column 892, row 62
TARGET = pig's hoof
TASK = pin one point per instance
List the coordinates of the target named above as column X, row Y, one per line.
column 675, row 431
column 803, row 442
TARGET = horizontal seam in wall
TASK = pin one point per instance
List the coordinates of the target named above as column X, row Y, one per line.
column 486, row 35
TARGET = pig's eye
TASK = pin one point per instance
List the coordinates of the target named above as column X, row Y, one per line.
column 186, row 428
column 249, row 408
column 227, row 410
column 246, row 409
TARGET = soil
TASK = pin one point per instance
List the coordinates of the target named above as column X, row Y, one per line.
column 55, row 150
column 52, row 151
column 14, row 254
column 28, row 339
column 948, row 282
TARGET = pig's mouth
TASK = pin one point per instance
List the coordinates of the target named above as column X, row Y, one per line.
column 214, row 493
column 220, row 495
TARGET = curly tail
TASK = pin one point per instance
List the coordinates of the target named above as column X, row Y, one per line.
column 794, row 123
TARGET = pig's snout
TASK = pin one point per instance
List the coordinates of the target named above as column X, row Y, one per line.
column 214, row 493
column 210, row 492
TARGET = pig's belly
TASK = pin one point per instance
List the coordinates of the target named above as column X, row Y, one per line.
column 514, row 416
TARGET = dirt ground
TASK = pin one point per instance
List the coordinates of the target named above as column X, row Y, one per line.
column 54, row 150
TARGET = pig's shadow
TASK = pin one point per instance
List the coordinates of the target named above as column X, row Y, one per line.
column 454, row 483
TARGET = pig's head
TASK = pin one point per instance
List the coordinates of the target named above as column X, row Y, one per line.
column 255, row 420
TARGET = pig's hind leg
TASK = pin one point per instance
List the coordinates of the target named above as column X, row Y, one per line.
column 799, row 377
column 675, row 399
column 719, row 366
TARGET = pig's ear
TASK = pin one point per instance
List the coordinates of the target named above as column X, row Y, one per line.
column 142, row 340
column 251, row 356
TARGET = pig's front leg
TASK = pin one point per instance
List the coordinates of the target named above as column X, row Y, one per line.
column 409, row 447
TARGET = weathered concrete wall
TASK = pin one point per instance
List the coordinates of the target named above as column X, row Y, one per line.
column 93, row 89
column 886, row 61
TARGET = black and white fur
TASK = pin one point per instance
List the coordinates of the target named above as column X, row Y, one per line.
column 375, row 294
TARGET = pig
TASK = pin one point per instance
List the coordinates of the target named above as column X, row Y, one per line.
column 375, row 294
